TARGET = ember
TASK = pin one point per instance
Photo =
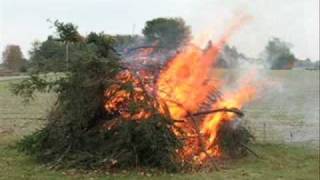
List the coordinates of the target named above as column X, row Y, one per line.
column 130, row 92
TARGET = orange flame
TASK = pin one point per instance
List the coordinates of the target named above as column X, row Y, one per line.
column 234, row 99
column 183, row 86
column 187, row 82
column 126, row 97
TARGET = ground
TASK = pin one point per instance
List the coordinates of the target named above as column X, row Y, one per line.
column 285, row 121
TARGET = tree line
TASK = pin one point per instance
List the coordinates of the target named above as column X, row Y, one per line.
column 167, row 34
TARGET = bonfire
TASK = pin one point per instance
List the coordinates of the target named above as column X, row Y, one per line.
column 187, row 91
column 160, row 115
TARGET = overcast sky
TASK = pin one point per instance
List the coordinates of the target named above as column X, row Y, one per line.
column 295, row 21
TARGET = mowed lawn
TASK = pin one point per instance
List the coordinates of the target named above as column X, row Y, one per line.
column 289, row 112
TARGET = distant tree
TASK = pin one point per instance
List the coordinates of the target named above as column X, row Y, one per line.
column 278, row 54
column 67, row 33
column 48, row 56
column 317, row 65
column 229, row 57
column 13, row 58
column 169, row 33
column 54, row 54
column 307, row 63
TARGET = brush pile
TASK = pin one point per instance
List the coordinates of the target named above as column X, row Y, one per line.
column 108, row 116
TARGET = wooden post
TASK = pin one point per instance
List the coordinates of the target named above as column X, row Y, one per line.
column 264, row 132
column 67, row 55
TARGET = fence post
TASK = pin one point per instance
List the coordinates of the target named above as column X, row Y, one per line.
column 264, row 132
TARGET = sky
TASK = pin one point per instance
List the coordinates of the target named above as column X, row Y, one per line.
column 295, row 21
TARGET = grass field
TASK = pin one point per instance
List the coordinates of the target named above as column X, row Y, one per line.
column 290, row 109
column 287, row 114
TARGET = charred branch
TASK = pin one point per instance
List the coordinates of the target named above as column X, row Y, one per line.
column 233, row 110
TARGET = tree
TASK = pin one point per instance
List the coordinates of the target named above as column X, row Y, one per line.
column 13, row 58
column 278, row 54
column 47, row 56
column 102, row 41
column 229, row 57
column 168, row 33
column 54, row 54
column 67, row 33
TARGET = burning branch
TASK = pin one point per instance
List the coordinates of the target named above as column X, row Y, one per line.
column 234, row 110
column 201, row 142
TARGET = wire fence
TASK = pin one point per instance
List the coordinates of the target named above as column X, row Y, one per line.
column 270, row 132
column 268, row 122
column 264, row 132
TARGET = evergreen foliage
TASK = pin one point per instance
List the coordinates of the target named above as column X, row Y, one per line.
column 48, row 56
column 76, row 133
column 233, row 139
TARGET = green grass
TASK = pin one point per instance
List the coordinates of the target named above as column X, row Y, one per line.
column 277, row 162
column 286, row 110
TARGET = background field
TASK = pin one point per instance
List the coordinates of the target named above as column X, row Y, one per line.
column 287, row 114
column 289, row 109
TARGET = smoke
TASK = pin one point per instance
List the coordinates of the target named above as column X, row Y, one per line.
column 285, row 101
